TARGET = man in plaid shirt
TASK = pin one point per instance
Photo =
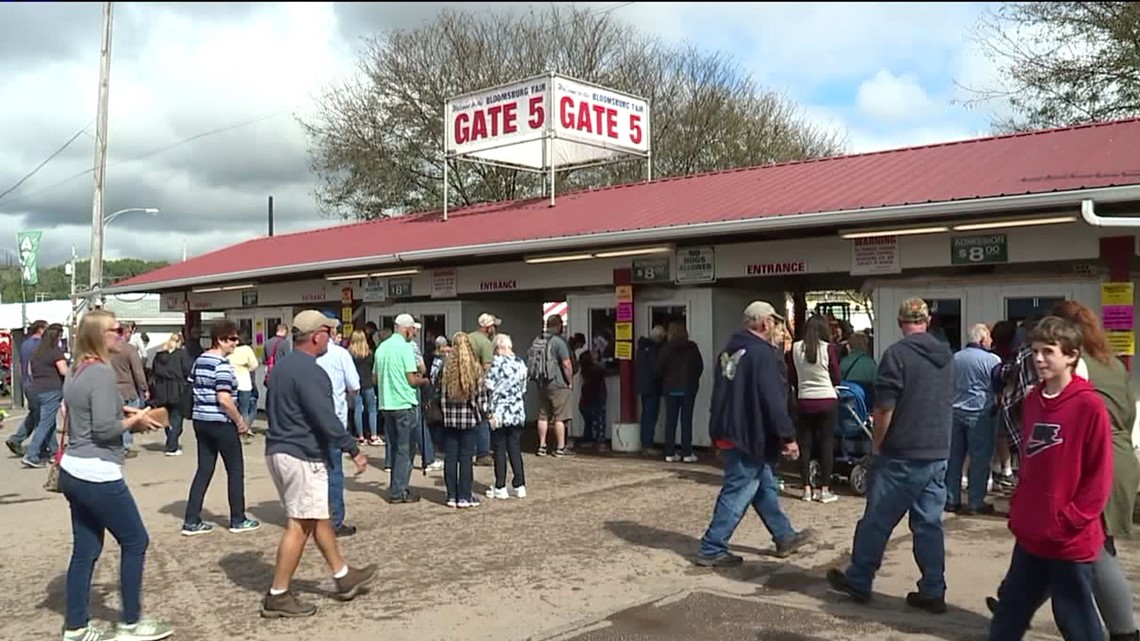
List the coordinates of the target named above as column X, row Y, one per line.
column 1015, row 378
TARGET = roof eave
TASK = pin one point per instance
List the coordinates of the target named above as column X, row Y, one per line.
column 891, row 213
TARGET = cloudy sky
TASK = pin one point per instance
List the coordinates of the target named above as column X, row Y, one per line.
column 885, row 74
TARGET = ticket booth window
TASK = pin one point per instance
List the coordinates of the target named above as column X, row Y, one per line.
column 245, row 330
column 946, row 321
column 1019, row 309
column 434, row 326
column 664, row 314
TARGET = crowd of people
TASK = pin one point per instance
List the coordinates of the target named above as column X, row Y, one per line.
column 1051, row 390
column 1067, row 407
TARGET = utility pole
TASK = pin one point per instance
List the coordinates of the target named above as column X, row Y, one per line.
column 74, row 300
column 100, row 158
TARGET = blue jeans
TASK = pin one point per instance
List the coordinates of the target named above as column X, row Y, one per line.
column 31, row 420
column 247, row 405
column 974, row 435
column 679, row 407
column 43, row 445
column 174, row 431
column 746, row 483
column 336, row 486
column 458, row 462
column 95, row 509
column 650, row 410
column 399, row 438
column 365, row 407
column 1030, row 580
column 483, row 439
column 896, row 487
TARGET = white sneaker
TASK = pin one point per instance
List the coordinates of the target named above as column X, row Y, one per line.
column 827, row 497
column 177, row 452
column 498, row 493
column 90, row 633
column 435, row 466
column 806, row 498
column 692, row 458
column 672, row 459
column 520, row 491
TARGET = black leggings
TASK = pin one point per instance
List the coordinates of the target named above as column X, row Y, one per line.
column 818, row 429
column 214, row 439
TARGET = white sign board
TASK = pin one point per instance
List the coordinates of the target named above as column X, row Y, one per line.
column 695, row 265
column 877, row 255
column 503, row 124
column 375, row 290
column 444, row 284
column 544, row 122
column 605, row 122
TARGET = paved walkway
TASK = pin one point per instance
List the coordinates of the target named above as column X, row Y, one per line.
column 599, row 551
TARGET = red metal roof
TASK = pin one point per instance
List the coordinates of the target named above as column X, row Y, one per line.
column 1100, row 155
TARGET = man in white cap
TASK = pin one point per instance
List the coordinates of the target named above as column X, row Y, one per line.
column 483, row 340
column 303, row 427
column 397, row 375
column 751, row 424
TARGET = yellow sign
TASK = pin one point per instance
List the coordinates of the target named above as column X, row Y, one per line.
column 1123, row 343
column 623, row 350
column 346, row 314
column 624, row 293
column 1116, row 294
column 346, row 330
column 623, row 331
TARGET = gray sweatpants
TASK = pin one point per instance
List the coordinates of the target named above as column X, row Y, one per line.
column 1113, row 593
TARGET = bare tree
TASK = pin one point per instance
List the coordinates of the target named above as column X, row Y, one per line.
column 376, row 142
column 1062, row 63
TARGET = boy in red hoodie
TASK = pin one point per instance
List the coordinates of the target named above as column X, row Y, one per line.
column 1055, row 512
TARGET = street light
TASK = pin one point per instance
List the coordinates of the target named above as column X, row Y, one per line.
column 97, row 249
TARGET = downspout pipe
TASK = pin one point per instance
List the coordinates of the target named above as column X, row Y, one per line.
column 1089, row 215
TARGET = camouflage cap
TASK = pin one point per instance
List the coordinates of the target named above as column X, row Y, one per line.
column 914, row 310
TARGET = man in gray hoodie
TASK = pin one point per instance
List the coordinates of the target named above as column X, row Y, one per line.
column 913, row 417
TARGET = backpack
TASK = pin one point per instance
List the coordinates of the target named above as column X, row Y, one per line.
column 541, row 366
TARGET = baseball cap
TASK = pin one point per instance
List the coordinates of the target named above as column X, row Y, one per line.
column 759, row 309
column 914, row 310
column 405, row 321
column 441, row 341
column 311, row 320
column 487, row 320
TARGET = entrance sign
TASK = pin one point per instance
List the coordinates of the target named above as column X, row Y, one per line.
column 875, row 255
column 545, row 124
column 651, row 270
column 979, row 250
column 696, row 265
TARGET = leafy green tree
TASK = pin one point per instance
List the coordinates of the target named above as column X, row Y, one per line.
column 55, row 284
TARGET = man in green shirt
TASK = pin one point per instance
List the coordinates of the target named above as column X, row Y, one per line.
column 397, row 375
column 483, row 340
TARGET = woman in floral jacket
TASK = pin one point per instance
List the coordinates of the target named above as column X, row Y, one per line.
column 507, row 382
column 465, row 404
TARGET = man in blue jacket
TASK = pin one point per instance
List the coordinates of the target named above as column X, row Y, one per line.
column 750, row 422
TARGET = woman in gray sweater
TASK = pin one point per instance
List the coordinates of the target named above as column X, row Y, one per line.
column 91, row 477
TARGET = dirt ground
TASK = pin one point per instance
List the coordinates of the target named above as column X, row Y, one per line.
column 599, row 551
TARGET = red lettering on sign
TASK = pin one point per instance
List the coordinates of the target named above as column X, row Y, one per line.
column 776, row 269
column 537, row 113
column 510, row 118
column 493, row 121
column 587, row 117
column 497, row 285
column 635, row 129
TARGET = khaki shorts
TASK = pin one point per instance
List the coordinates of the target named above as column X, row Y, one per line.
column 554, row 404
column 302, row 485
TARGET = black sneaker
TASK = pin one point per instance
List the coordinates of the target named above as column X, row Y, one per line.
column 991, row 604
column 407, row 498
column 561, row 453
column 838, row 582
column 987, row 509
column 15, row 448
column 785, row 548
column 723, row 560
column 931, row 604
column 345, row 530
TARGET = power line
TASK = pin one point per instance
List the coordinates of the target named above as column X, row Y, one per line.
column 154, row 152
column 46, row 161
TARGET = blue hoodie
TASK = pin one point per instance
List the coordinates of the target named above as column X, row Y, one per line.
column 749, row 400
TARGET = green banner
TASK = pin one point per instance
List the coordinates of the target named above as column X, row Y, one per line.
column 28, row 244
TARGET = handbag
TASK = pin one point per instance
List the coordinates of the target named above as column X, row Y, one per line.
column 433, row 413
column 52, row 482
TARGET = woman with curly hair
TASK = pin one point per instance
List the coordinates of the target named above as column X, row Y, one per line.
column 465, row 406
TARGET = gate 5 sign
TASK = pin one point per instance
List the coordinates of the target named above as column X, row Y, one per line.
column 978, row 250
